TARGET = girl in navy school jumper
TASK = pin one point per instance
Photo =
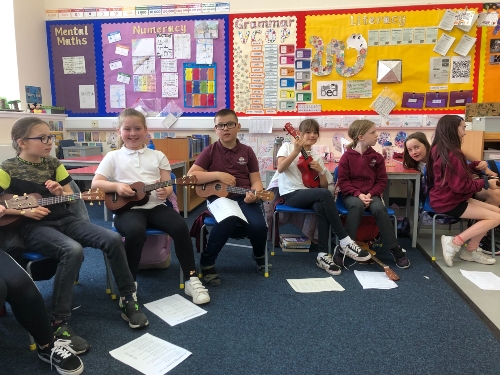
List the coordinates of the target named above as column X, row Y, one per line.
column 134, row 162
column 56, row 232
column 452, row 187
column 362, row 179
column 296, row 194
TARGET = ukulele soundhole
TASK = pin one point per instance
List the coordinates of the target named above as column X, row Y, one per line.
column 218, row 187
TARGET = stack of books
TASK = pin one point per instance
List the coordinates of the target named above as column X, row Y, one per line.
column 294, row 243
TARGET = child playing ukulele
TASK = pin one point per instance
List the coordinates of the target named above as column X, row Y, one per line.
column 296, row 194
column 134, row 162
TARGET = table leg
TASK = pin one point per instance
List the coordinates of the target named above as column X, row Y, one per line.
column 415, row 211
column 185, row 193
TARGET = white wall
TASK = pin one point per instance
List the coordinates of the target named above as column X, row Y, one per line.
column 243, row 6
column 31, row 45
column 8, row 66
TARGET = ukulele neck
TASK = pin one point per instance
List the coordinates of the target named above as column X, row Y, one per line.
column 157, row 185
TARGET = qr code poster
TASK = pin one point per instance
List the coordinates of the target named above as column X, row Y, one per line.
column 460, row 69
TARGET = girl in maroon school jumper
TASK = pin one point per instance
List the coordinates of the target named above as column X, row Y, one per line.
column 362, row 179
column 234, row 164
column 451, row 190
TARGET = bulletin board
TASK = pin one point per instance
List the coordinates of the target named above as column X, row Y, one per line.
column 328, row 62
column 489, row 72
column 100, row 67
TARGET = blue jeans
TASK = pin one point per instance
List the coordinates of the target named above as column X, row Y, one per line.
column 357, row 209
column 65, row 239
column 255, row 230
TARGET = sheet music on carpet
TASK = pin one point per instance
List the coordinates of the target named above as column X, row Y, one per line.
column 315, row 285
column 374, row 280
column 484, row 280
column 222, row 208
column 175, row 309
column 150, row 355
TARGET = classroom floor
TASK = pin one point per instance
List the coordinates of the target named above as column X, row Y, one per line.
column 484, row 302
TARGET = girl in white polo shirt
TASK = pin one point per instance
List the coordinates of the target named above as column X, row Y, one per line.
column 134, row 162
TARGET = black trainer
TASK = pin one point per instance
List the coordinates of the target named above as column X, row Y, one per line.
column 338, row 257
column 210, row 276
column 77, row 344
column 400, row 257
column 261, row 264
column 59, row 354
column 133, row 314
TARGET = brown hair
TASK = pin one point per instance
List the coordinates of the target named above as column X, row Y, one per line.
column 446, row 140
column 22, row 129
column 408, row 161
column 357, row 128
column 128, row 112
column 226, row 112
column 308, row 125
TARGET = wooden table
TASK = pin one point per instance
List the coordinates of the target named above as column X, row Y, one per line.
column 394, row 172
column 87, row 173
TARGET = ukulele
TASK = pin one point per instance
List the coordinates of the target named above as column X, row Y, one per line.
column 30, row 201
column 222, row 190
column 390, row 273
column 310, row 177
column 118, row 204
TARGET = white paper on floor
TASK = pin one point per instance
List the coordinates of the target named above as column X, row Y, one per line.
column 314, row 285
column 484, row 280
column 174, row 309
column 150, row 355
column 374, row 280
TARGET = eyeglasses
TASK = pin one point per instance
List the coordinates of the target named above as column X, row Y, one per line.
column 45, row 138
column 228, row 125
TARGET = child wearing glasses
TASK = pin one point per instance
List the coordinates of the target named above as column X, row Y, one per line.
column 55, row 232
column 234, row 164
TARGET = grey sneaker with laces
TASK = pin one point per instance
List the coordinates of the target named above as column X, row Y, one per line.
column 353, row 251
column 477, row 256
column 77, row 344
column 132, row 313
column 60, row 355
column 324, row 261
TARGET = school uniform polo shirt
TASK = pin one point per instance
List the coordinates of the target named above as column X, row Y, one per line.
column 238, row 161
column 129, row 166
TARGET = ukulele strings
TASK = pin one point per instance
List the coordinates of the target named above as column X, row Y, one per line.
column 157, row 185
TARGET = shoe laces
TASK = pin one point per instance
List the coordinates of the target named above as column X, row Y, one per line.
column 61, row 348
column 328, row 260
column 343, row 260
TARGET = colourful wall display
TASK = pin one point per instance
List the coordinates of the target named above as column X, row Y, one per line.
column 100, row 67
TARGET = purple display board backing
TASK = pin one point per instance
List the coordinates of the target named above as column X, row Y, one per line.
column 134, row 30
column 73, row 40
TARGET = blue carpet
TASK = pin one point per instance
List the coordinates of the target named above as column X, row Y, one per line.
column 256, row 325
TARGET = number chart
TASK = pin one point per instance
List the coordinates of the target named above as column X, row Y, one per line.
column 200, row 85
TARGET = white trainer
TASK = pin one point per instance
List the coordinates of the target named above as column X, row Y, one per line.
column 476, row 256
column 449, row 249
column 194, row 288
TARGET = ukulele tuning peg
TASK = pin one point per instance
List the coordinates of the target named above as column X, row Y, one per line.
column 15, row 196
column 22, row 212
column 91, row 203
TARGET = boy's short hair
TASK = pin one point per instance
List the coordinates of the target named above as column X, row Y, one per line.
column 226, row 112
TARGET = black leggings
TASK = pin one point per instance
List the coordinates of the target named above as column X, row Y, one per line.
column 132, row 225
column 19, row 290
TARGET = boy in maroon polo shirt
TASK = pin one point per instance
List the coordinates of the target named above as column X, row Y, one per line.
column 234, row 164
